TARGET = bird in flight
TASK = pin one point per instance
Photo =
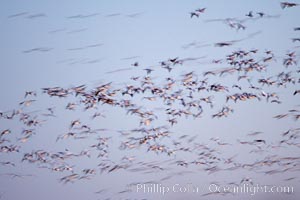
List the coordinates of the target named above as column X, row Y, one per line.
column 287, row 4
column 197, row 12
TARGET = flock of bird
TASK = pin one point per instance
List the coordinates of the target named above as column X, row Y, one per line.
column 158, row 106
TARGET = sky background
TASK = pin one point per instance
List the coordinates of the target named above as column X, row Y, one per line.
column 111, row 36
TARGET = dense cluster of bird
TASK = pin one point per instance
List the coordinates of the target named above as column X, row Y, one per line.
column 159, row 105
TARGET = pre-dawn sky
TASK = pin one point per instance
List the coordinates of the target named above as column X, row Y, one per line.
column 100, row 97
